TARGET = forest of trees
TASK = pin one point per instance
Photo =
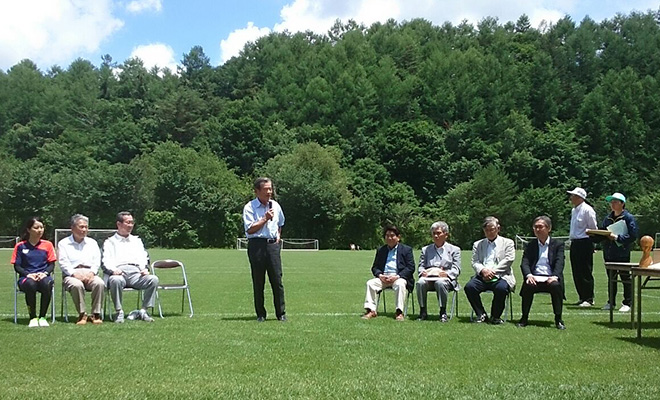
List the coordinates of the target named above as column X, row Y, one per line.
column 395, row 122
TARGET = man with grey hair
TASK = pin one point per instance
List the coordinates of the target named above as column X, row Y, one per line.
column 79, row 259
column 439, row 267
column 125, row 264
column 543, row 271
column 492, row 258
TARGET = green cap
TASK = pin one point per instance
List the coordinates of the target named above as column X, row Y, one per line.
column 616, row 196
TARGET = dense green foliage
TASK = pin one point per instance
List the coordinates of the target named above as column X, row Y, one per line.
column 396, row 122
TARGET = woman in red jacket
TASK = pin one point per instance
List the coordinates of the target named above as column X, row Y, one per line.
column 34, row 261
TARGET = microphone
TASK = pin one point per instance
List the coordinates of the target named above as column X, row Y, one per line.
column 270, row 204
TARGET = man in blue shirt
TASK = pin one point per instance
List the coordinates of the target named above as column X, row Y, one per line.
column 393, row 267
column 263, row 220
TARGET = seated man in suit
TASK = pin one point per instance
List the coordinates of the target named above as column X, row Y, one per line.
column 439, row 267
column 393, row 267
column 543, row 269
column 492, row 258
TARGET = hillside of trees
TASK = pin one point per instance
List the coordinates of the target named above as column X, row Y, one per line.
column 402, row 122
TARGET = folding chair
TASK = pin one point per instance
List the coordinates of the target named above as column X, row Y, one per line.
column 183, row 286
column 405, row 308
column 453, row 311
column 64, row 310
column 504, row 315
column 17, row 290
column 107, row 295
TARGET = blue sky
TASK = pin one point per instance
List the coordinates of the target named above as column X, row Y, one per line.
column 56, row 32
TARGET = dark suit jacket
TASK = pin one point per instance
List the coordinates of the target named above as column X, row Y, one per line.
column 555, row 257
column 405, row 263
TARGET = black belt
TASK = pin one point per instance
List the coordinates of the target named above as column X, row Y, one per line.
column 269, row 241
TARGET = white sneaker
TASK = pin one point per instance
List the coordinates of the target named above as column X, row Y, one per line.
column 145, row 317
column 585, row 304
column 133, row 315
column 119, row 318
column 607, row 307
column 43, row 322
column 34, row 323
column 624, row 308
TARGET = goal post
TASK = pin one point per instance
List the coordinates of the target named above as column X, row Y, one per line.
column 97, row 234
column 8, row 242
column 521, row 241
column 288, row 244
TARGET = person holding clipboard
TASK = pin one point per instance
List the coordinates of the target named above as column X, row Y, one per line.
column 618, row 232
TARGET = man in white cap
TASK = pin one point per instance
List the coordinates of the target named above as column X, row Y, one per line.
column 617, row 249
column 583, row 217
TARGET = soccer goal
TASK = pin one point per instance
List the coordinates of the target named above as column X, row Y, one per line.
column 287, row 244
column 97, row 234
column 8, row 242
column 521, row 241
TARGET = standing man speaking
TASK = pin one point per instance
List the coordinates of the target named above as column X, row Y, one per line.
column 263, row 220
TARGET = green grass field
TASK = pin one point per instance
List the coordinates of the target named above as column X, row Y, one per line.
column 325, row 350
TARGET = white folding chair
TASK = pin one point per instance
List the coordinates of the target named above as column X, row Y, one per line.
column 183, row 286
column 17, row 290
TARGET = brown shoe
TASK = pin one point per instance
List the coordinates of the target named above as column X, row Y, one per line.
column 370, row 314
column 400, row 317
column 96, row 319
column 82, row 319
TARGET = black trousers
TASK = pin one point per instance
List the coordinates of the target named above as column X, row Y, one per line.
column 612, row 288
column 265, row 258
column 556, row 294
column 476, row 286
column 582, row 264
column 30, row 287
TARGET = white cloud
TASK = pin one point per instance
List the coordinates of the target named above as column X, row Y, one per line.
column 319, row 15
column 234, row 43
column 156, row 55
column 53, row 31
column 138, row 6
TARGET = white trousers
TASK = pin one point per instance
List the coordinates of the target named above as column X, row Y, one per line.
column 375, row 285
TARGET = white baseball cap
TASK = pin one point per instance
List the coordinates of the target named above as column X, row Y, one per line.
column 616, row 196
column 578, row 191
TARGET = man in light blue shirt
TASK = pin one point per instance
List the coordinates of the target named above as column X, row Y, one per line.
column 263, row 220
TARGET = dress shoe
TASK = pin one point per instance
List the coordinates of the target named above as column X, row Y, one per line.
column 370, row 314
column 444, row 317
column 82, row 319
column 496, row 321
column 261, row 319
column 560, row 325
column 282, row 318
column 522, row 323
column 422, row 317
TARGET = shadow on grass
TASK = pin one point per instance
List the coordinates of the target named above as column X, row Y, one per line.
column 618, row 324
column 241, row 318
column 652, row 342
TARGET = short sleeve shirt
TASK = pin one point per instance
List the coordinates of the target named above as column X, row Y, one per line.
column 33, row 258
